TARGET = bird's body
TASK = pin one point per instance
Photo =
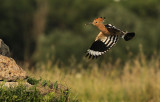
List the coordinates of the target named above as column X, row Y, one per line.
column 106, row 39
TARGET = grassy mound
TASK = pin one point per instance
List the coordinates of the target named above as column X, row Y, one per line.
column 39, row 91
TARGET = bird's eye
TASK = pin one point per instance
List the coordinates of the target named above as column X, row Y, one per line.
column 96, row 22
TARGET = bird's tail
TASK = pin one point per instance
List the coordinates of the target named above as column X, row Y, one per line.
column 128, row 36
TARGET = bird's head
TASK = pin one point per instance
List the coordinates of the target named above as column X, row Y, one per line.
column 98, row 21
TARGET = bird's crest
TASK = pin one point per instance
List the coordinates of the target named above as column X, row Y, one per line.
column 100, row 19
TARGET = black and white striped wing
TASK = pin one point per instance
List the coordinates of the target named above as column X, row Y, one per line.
column 99, row 47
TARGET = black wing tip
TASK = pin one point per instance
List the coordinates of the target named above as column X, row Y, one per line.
column 129, row 36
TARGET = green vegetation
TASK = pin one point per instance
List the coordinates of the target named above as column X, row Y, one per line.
column 33, row 81
column 21, row 93
column 38, row 30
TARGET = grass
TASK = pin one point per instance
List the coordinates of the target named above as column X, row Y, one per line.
column 21, row 93
column 137, row 80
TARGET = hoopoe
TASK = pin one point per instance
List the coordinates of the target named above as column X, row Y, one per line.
column 107, row 38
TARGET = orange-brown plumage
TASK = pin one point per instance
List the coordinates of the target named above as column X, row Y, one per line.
column 107, row 38
column 98, row 22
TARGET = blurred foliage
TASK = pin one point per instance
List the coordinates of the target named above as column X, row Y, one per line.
column 66, row 35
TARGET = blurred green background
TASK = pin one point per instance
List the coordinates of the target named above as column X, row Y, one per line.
column 41, row 30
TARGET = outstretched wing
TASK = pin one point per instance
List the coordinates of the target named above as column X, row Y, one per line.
column 101, row 46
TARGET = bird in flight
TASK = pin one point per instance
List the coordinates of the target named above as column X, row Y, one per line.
column 106, row 39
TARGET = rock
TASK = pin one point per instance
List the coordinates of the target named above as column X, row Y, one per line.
column 14, row 84
column 4, row 49
column 9, row 70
